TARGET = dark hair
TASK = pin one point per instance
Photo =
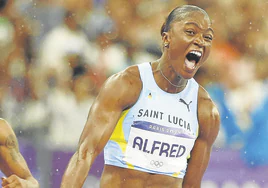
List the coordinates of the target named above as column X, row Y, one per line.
column 3, row 4
column 178, row 14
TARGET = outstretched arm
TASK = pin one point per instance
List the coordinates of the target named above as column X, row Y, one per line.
column 209, row 123
column 117, row 94
column 12, row 162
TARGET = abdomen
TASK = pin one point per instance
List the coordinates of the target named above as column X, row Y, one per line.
column 117, row 177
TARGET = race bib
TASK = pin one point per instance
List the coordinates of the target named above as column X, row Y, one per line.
column 158, row 148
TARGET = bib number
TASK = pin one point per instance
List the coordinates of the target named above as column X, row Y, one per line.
column 157, row 150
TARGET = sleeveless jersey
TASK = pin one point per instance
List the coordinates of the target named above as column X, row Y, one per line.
column 157, row 134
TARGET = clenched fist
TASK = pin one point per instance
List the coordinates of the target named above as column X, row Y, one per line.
column 14, row 181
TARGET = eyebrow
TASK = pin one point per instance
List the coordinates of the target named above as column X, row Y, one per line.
column 194, row 23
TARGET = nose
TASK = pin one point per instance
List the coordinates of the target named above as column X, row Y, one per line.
column 199, row 41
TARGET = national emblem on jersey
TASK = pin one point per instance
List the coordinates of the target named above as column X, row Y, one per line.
column 150, row 96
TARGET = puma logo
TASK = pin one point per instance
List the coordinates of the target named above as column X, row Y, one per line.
column 188, row 105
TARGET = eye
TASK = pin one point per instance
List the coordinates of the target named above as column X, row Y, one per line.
column 208, row 37
column 190, row 32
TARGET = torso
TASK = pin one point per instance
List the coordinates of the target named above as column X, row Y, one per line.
column 122, row 168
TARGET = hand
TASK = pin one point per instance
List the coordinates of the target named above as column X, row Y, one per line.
column 13, row 181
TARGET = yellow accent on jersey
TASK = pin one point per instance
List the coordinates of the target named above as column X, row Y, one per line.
column 130, row 166
column 118, row 134
column 119, row 137
column 176, row 174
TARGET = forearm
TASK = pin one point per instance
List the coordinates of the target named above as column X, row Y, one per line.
column 76, row 172
column 191, row 184
column 197, row 165
column 192, row 179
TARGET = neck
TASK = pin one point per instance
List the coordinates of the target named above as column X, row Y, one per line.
column 173, row 81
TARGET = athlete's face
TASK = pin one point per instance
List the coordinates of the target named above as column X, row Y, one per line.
column 189, row 43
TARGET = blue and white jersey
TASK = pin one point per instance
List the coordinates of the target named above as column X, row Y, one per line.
column 158, row 133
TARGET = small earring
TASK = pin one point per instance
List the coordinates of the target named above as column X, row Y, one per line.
column 166, row 45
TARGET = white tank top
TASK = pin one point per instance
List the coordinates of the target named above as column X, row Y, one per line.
column 157, row 134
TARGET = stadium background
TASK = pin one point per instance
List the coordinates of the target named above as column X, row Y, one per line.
column 55, row 55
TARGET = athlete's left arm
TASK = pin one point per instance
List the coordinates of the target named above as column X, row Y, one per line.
column 209, row 123
column 12, row 163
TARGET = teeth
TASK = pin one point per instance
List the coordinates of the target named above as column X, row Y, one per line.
column 196, row 53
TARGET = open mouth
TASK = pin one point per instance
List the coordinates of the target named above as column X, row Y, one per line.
column 192, row 58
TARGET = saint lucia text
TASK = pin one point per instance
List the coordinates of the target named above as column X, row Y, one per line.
column 161, row 116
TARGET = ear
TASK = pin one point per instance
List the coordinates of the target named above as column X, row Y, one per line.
column 165, row 38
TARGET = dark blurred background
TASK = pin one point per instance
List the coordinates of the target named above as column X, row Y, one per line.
column 55, row 55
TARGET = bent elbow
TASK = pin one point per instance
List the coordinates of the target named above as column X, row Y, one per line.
column 84, row 154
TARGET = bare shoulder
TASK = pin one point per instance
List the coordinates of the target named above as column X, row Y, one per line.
column 205, row 102
column 123, row 87
column 208, row 115
column 129, row 76
column 5, row 128
column 7, row 135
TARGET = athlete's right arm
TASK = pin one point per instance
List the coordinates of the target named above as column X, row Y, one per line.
column 119, row 92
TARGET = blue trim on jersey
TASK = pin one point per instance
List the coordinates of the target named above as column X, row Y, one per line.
column 152, row 127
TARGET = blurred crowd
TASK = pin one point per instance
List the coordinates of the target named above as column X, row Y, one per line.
column 55, row 55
